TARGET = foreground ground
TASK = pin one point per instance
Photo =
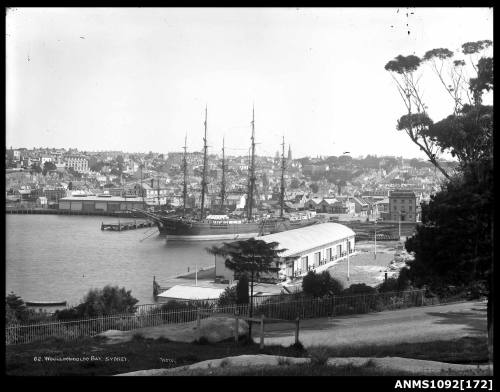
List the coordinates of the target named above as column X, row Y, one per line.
column 95, row 357
column 144, row 354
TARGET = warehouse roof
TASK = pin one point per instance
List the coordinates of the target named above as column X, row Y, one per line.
column 191, row 292
column 310, row 237
column 104, row 199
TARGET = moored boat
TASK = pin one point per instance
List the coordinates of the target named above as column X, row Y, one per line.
column 197, row 226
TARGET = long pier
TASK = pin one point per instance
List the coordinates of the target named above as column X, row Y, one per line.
column 53, row 211
column 127, row 225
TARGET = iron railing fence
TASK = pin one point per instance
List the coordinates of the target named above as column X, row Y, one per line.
column 286, row 307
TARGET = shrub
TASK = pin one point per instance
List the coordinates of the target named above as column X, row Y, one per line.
column 297, row 346
column 10, row 316
column 319, row 285
column 176, row 310
column 16, row 310
column 391, row 284
column 477, row 290
column 359, row 288
column 68, row 314
column 108, row 300
column 228, row 297
column 98, row 302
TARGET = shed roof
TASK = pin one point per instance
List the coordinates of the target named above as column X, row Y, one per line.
column 191, row 292
column 103, row 199
column 316, row 200
column 301, row 240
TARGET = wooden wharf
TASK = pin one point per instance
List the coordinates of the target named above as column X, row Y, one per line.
column 126, row 225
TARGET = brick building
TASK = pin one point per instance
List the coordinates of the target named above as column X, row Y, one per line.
column 402, row 206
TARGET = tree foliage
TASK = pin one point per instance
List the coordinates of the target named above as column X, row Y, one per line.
column 252, row 257
column 242, row 296
column 484, row 80
column 35, row 168
column 228, row 296
column 440, row 53
column 393, row 284
column 48, row 166
column 314, row 187
column 454, row 243
column 451, row 71
column 467, row 135
column 295, row 183
column 320, row 285
column 403, row 64
column 359, row 288
column 15, row 308
column 475, row 47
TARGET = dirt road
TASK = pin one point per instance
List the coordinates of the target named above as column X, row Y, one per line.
column 421, row 324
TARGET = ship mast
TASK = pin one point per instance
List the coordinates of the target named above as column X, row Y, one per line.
column 184, row 184
column 223, row 180
column 251, row 184
column 142, row 189
column 158, row 184
column 203, row 178
column 282, row 189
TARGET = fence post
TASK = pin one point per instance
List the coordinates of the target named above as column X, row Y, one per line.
column 198, row 323
column 297, row 321
column 261, row 331
column 236, row 325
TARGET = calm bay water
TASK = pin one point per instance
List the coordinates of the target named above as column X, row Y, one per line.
column 56, row 258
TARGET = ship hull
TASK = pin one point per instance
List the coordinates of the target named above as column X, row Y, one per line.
column 176, row 229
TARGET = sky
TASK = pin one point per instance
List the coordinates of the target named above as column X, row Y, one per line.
column 139, row 79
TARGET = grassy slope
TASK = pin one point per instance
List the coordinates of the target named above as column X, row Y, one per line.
column 143, row 354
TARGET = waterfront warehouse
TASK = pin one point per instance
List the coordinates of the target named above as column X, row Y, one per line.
column 100, row 203
column 312, row 248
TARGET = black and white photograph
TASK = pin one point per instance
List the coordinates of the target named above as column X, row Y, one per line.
column 250, row 191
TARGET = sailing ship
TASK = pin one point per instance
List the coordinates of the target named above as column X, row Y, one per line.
column 223, row 226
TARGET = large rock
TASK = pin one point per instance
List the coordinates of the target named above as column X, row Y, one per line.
column 220, row 328
column 214, row 329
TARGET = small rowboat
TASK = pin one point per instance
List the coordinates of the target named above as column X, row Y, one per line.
column 46, row 303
